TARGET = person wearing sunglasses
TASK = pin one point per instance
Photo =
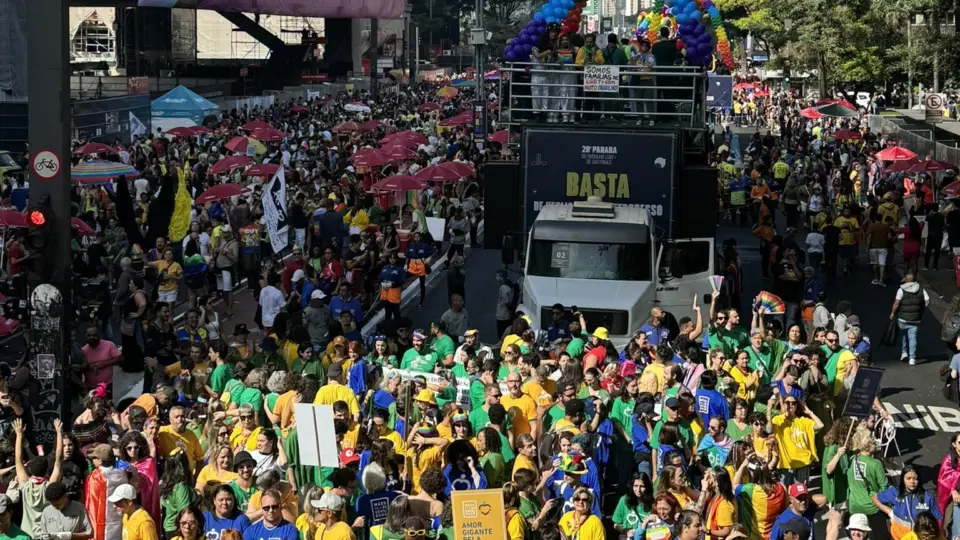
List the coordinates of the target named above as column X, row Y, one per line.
column 795, row 432
column 329, row 508
column 273, row 525
column 415, row 528
column 582, row 523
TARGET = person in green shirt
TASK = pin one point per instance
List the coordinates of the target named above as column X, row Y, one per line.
column 835, row 463
column 480, row 417
column 308, row 363
column 419, row 358
column 268, row 357
column 566, row 393
column 481, row 375
column 738, row 428
column 221, row 374
column 866, row 476
column 500, row 422
column 580, row 337
column 621, row 412
column 8, row 529
column 244, row 485
column 491, row 460
column 635, row 506
column 442, row 344
column 380, row 356
column 176, row 491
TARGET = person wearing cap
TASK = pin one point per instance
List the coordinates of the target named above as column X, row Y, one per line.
column 244, row 485
column 471, row 338
column 137, row 523
column 799, row 515
column 345, row 301
column 419, row 359
column 316, row 317
column 572, row 468
column 273, row 525
column 33, row 479
column 102, row 481
column 63, row 519
column 330, row 527
column 335, row 391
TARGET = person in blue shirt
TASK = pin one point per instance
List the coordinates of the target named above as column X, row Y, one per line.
column 655, row 331
column 463, row 467
column 272, row 526
column 708, row 401
column 374, row 503
column 345, row 302
column 574, row 470
column 640, row 429
column 803, row 506
column 392, row 278
column 559, row 328
column 225, row 514
column 905, row 502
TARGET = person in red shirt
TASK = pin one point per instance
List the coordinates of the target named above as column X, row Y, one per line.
column 15, row 253
column 296, row 262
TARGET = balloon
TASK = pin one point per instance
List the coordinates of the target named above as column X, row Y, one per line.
column 704, row 48
column 698, row 30
column 539, row 16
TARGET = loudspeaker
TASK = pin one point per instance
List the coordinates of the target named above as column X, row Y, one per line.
column 502, row 201
column 696, row 203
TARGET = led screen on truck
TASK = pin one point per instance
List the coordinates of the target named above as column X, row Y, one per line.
column 624, row 168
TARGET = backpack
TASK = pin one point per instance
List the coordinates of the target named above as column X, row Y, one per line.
column 951, row 326
column 951, row 389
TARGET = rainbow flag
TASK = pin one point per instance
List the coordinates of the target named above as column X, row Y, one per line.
column 758, row 510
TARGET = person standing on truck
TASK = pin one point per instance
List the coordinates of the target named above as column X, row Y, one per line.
column 504, row 302
column 655, row 331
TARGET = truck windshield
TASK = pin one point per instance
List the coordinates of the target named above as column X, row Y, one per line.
column 614, row 262
column 6, row 160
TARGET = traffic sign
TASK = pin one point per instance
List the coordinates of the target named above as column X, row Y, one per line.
column 935, row 104
column 46, row 165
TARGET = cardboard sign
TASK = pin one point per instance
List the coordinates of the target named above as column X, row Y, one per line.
column 601, row 78
column 478, row 514
column 866, row 386
column 317, row 439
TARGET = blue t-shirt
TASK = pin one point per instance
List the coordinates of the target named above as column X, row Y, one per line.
column 214, row 526
column 374, row 506
column 655, row 334
column 777, row 532
column 711, row 403
column 259, row 531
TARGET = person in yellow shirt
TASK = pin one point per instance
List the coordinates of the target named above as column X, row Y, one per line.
column 517, row 528
column 521, row 408
column 176, row 436
column 580, row 523
column 137, row 523
column 329, row 508
column 380, row 417
column 244, row 435
column 219, row 467
column 848, row 226
column 169, row 273
column 794, row 430
column 526, row 454
column 335, row 391
column 341, row 411
column 425, row 449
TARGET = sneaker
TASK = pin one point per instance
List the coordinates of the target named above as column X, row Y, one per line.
column 903, row 357
column 913, row 361
column 924, row 268
column 875, row 282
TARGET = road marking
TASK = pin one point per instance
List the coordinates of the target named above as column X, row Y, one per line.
column 925, row 417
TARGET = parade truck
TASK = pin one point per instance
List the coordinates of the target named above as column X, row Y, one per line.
column 615, row 224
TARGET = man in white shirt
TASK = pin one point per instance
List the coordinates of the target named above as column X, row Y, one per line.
column 272, row 302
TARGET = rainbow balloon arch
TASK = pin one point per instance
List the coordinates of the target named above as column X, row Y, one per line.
column 690, row 21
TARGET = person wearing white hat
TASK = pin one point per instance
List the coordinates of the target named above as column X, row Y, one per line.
column 858, row 527
column 137, row 523
column 328, row 508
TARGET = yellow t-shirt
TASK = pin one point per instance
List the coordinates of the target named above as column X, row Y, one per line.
column 746, row 383
column 340, row 531
column 843, row 360
column 563, row 424
column 170, row 440
column 399, row 446
column 516, row 525
column 590, row 529
column 795, row 441
column 848, row 226
column 431, row 456
column 304, row 526
column 207, row 474
column 289, row 502
column 522, row 411
column 237, row 442
column 721, row 513
column 350, row 437
column 781, row 170
column 657, row 370
column 542, row 394
column 139, row 526
column 284, row 408
column 522, row 462
column 333, row 392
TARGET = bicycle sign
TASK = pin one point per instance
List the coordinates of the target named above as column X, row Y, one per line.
column 46, row 165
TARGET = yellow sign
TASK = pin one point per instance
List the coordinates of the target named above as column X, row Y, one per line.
column 478, row 515
column 348, row 87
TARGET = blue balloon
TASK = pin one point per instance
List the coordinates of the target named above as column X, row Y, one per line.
column 698, row 30
column 681, row 18
column 703, row 48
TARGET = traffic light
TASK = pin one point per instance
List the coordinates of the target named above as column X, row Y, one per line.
column 41, row 227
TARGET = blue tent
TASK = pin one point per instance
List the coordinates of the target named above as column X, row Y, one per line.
column 181, row 102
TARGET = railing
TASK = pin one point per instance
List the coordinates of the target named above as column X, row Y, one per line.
column 533, row 92
column 922, row 146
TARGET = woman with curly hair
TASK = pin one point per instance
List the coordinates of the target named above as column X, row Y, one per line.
column 489, row 446
column 432, row 486
column 462, row 467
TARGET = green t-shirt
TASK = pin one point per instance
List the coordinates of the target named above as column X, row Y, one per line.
column 303, row 474
column 476, row 394
column 728, row 340
column 414, row 361
column 529, row 508
column 446, row 395
column 442, row 347
column 760, row 360
column 16, row 533
column 493, row 468
column 388, row 361
column 313, row 366
column 621, row 414
column 445, row 533
column 234, row 388
column 865, row 478
column 505, row 450
column 243, row 496
column 584, row 393
column 575, row 347
column 736, row 433
column 628, row 518
column 181, row 497
column 272, row 400
column 220, row 377
column 835, row 485
column 479, row 418
column 553, row 414
column 686, row 434
column 252, row 396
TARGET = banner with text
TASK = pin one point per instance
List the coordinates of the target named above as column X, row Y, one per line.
column 601, row 78
column 478, row 514
column 275, row 211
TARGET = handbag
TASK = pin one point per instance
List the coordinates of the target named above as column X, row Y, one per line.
column 889, row 337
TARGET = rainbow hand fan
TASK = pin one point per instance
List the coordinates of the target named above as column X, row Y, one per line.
column 716, row 282
column 771, row 303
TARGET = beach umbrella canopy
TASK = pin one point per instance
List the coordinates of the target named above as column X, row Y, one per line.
column 929, row 166
column 895, row 153
column 346, row 127
column 459, row 167
column 95, row 148
column 437, row 174
column 399, row 183
column 298, row 109
column 447, row 92
column 901, row 166
column 230, row 163
column 356, row 108
column 220, row 192
column 200, row 130
column 237, row 145
column 846, row 135
column 370, row 125
column 12, row 218
column 373, row 158
column 82, row 228
column 499, row 137
column 404, row 137
column 837, row 110
column 181, row 131
column 262, row 170
column 268, row 135
column 811, row 113
column 952, row 191
column 255, row 125
column 429, row 106
column 399, row 152
column 94, row 172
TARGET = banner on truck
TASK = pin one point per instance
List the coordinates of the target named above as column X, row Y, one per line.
column 628, row 169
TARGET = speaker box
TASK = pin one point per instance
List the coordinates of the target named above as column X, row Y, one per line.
column 696, row 203
column 502, row 202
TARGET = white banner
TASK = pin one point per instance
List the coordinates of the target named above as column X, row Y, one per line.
column 312, row 94
column 316, row 437
column 461, row 383
column 275, row 211
column 137, row 127
column 598, row 78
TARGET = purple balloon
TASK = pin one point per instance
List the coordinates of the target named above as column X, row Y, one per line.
column 703, row 48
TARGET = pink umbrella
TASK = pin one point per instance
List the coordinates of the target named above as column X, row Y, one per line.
column 230, row 163
column 499, row 137
column 374, row 158
column 399, row 152
column 399, row 183
column 952, row 191
column 298, row 109
column 930, row 166
column 458, row 120
column 219, row 192
column 418, row 138
column 255, row 125
column 81, row 227
column 263, row 170
column 370, row 125
column 895, row 153
column 346, row 127
column 237, row 144
column 12, row 218
column 268, row 135
column 459, row 167
column 200, row 130
column 95, row 148
column 901, row 166
column 437, row 174
column 429, row 106
column 811, row 113
column 181, row 132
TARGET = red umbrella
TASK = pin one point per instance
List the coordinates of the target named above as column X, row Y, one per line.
column 200, row 130
column 459, row 167
column 895, row 153
column 268, row 135
column 398, row 152
column 437, row 174
column 298, row 109
column 12, row 218
column 346, row 127
column 429, row 106
column 370, row 125
column 230, row 163
column 255, row 125
column 811, row 112
column 841, row 102
column 743, row 86
column 237, row 144
column 264, row 170
column 846, row 135
column 901, row 166
column 95, row 148
column 458, row 120
column 373, row 158
column 499, row 137
column 81, row 227
column 952, row 191
column 181, row 132
column 220, row 192
column 930, row 166
column 399, row 183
